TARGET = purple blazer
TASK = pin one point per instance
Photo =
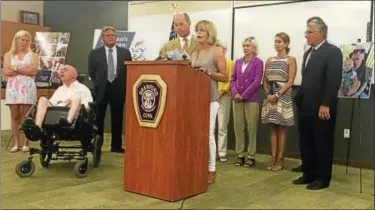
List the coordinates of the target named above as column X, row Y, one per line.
column 246, row 84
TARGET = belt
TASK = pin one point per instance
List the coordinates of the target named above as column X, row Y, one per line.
column 275, row 83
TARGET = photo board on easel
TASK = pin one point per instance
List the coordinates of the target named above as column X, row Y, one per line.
column 357, row 70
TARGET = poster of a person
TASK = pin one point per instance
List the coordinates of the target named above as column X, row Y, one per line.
column 357, row 70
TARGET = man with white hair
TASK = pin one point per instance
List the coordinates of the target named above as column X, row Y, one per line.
column 316, row 103
column 71, row 94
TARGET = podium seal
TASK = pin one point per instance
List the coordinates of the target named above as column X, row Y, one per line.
column 149, row 98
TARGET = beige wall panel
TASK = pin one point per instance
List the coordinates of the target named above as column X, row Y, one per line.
column 164, row 7
column 10, row 10
column 247, row 3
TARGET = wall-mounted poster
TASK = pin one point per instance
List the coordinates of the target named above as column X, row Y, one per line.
column 357, row 70
column 124, row 39
column 52, row 48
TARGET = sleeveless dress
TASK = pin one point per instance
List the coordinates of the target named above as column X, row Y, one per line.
column 206, row 60
column 21, row 89
column 280, row 113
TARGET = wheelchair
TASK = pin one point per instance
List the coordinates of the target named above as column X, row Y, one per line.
column 82, row 129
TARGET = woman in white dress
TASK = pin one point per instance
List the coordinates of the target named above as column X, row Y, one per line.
column 20, row 66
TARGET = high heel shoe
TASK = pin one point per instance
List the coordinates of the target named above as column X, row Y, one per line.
column 272, row 163
column 211, row 177
column 279, row 165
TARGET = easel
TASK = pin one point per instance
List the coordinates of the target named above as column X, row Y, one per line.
column 360, row 135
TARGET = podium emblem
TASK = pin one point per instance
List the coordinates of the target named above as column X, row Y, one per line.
column 149, row 98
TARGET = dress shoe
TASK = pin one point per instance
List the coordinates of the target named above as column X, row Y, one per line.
column 298, row 169
column 302, row 180
column 117, row 150
column 317, row 185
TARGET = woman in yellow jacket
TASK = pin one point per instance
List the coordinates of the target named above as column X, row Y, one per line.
column 225, row 101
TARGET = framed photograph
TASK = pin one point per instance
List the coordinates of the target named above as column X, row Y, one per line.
column 29, row 17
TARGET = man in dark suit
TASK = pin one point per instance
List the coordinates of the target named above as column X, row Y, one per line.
column 317, row 105
column 108, row 73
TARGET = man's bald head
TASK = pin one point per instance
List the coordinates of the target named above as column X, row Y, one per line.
column 68, row 74
column 182, row 24
column 182, row 15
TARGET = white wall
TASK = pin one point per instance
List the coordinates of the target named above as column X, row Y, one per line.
column 346, row 22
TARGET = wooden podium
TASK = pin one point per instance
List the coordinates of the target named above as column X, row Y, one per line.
column 166, row 129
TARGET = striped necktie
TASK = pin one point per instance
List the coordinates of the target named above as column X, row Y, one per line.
column 186, row 45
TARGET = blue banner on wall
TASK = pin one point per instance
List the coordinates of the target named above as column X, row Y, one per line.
column 124, row 38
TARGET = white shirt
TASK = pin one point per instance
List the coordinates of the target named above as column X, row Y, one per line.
column 75, row 90
column 114, row 54
column 244, row 66
column 182, row 42
column 316, row 48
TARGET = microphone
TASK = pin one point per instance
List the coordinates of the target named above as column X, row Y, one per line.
column 185, row 56
column 198, row 68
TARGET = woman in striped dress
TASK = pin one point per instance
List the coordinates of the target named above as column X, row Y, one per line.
column 277, row 109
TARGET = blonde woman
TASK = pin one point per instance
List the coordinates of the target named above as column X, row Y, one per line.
column 20, row 65
column 246, row 78
column 225, row 102
column 212, row 61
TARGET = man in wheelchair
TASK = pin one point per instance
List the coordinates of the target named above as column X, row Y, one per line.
column 67, row 115
column 71, row 94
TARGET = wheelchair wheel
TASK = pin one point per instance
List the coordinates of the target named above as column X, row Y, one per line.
column 81, row 169
column 45, row 158
column 97, row 151
column 25, row 168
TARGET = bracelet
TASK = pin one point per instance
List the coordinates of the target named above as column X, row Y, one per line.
column 278, row 94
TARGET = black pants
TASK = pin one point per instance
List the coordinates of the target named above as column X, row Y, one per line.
column 114, row 95
column 316, row 144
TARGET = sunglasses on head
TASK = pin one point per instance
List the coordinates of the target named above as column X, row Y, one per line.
column 359, row 51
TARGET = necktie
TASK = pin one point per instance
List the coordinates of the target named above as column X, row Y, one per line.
column 186, row 45
column 313, row 51
column 111, row 69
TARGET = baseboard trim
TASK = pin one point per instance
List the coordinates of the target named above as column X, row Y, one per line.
column 337, row 161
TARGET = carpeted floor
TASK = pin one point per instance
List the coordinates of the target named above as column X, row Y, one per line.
column 58, row 188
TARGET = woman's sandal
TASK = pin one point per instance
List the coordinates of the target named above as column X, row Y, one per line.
column 279, row 165
column 272, row 163
column 250, row 162
column 14, row 149
column 240, row 161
